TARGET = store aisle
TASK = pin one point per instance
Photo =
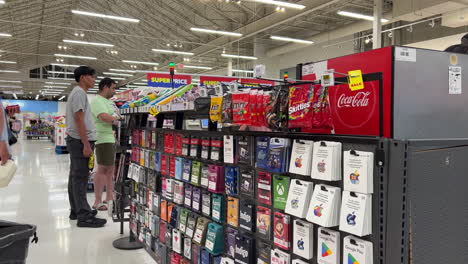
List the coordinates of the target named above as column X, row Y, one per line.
column 38, row 195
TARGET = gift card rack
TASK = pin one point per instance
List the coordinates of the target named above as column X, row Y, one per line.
column 388, row 233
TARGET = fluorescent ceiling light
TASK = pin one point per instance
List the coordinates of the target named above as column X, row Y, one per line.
column 2, row 2
column 127, row 19
column 14, row 95
column 239, row 57
column 61, row 98
column 90, row 91
column 122, row 70
column 63, row 87
column 8, row 71
column 197, row 67
column 52, row 90
column 11, row 86
column 7, row 62
column 141, row 62
column 65, row 65
column 88, row 43
column 360, row 16
column 144, row 80
column 302, row 41
column 173, row 52
column 57, row 78
column 243, row 71
column 14, row 92
column 57, row 83
column 117, row 74
column 10, row 81
column 5, row 35
column 219, row 32
column 37, row 97
column 75, row 56
column 143, row 71
column 60, row 72
column 280, row 3
column 141, row 83
column 114, row 78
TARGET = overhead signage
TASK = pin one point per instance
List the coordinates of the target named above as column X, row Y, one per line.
column 164, row 80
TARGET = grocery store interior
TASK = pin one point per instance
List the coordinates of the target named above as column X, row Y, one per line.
column 260, row 98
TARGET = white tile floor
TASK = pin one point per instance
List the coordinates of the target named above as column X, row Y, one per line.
column 38, row 195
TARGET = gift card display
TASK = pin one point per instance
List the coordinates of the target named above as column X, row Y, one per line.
column 230, row 180
column 188, row 247
column 215, row 239
column 217, row 207
column 303, row 239
column 162, row 231
column 244, row 150
column 216, row 148
column 328, row 246
column 206, row 203
column 356, row 213
column 169, row 143
column 174, row 216
column 298, row 261
column 216, row 178
column 188, row 195
column 225, row 260
column 262, row 152
column 200, row 231
column 228, row 146
column 205, row 257
column 278, row 155
column 196, row 199
column 178, row 144
column 157, row 161
column 264, row 187
column 160, row 251
column 196, row 254
column 326, row 161
column 280, row 191
column 196, row 172
column 281, row 224
column 205, row 147
column 301, row 157
column 183, row 215
column 176, row 241
column 191, row 222
column 172, row 166
column 178, row 192
column 247, row 215
column 164, row 210
column 247, row 183
column 245, row 250
column 155, row 226
column 156, row 204
column 264, row 222
column 232, row 211
column 231, row 241
column 299, row 194
column 280, row 257
column 356, row 250
column 165, row 165
column 179, row 163
column 263, row 252
column 175, row 258
column 187, row 170
column 324, row 209
column 204, row 176
column 358, row 171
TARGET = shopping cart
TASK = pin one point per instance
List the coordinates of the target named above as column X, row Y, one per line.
column 14, row 241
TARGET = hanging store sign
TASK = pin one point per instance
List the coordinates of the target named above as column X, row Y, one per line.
column 164, row 80
column 255, row 83
column 212, row 81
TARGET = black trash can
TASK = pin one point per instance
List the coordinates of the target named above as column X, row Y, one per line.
column 14, row 241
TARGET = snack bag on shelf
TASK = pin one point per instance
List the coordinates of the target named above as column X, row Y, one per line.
column 216, row 108
column 300, row 106
column 277, row 109
column 226, row 115
column 240, row 108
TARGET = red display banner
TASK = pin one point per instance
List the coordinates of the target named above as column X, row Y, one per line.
column 164, row 80
column 214, row 81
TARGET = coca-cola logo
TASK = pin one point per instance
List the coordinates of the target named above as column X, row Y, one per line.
column 361, row 99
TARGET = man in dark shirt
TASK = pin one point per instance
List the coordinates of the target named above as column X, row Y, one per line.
column 460, row 48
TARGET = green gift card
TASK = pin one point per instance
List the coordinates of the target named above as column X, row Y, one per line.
column 183, row 219
column 217, row 209
column 280, row 191
column 196, row 171
column 215, row 239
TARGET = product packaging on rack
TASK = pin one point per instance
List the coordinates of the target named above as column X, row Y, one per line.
column 303, row 239
column 324, row 208
column 358, row 169
column 356, row 213
column 356, row 250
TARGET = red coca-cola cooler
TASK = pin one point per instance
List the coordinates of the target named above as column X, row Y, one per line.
column 408, row 93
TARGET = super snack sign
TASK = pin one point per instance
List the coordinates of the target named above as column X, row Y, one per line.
column 164, row 80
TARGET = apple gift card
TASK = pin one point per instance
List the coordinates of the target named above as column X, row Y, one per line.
column 301, row 158
column 303, row 239
column 326, row 161
column 324, row 208
column 356, row 213
column 299, row 196
column 358, row 171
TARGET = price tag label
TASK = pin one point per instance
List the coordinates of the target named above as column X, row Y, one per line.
column 355, row 80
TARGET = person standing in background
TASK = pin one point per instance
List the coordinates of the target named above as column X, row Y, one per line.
column 80, row 144
column 4, row 151
column 103, row 110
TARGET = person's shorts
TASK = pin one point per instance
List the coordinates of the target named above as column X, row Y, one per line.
column 105, row 154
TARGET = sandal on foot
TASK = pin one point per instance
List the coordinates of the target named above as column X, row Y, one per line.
column 101, row 207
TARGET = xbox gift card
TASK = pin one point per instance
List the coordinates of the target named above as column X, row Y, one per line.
column 280, row 191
